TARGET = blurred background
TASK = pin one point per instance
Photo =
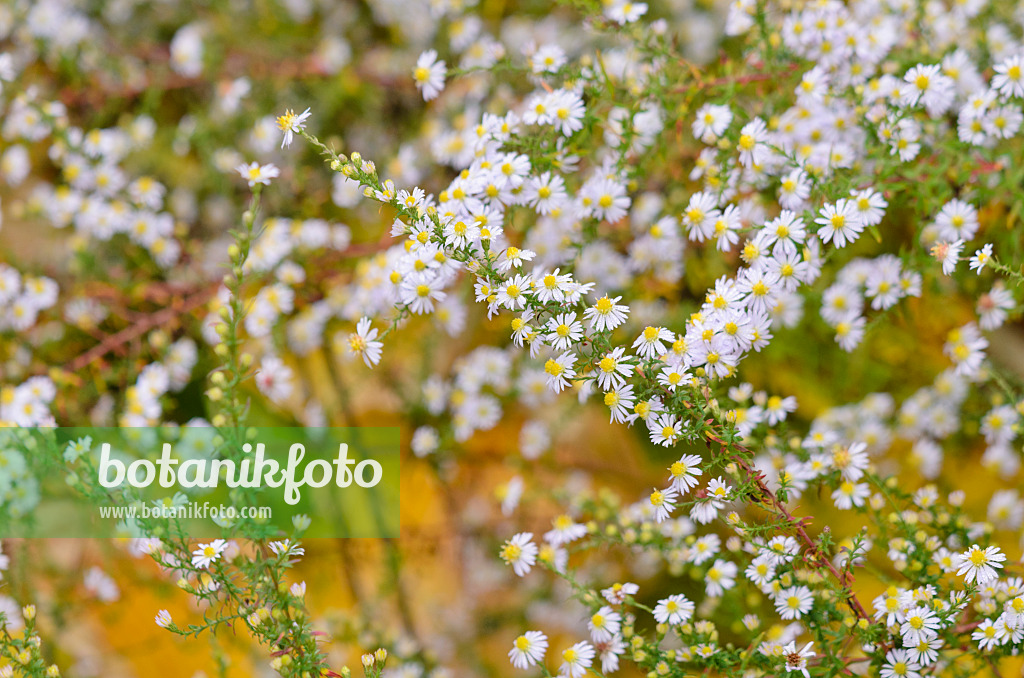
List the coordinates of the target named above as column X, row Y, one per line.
column 182, row 93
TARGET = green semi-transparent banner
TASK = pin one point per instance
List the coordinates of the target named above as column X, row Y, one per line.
column 199, row 482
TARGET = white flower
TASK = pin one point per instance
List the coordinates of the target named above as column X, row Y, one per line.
column 663, row 502
column 981, row 258
column 1009, row 77
column 576, row 660
column 528, row 649
column 520, row 553
column 898, row 664
column 616, row 594
column 163, row 619
column 920, row 623
column 256, row 173
column 560, row 371
column 683, row 473
column 977, row 564
column 206, row 554
column 674, row 610
column 648, row 345
column 363, row 343
column 840, row 223
column 429, row 74
column 948, row 254
column 606, row 314
column 793, row 602
column 604, row 624
column 797, row 661
column 291, row 124
column 625, row 11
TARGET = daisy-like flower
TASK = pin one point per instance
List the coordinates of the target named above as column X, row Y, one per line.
column 993, row 307
column 966, row 347
column 957, row 220
column 674, row 610
column 256, row 173
column 981, row 258
column 928, row 85
column 920, row 623
column 420, row 290
column 850, row 494
column 720, row 577
column 753, row 143
column 1009, row 77
column 870, row 206
column 546, row 193
column 514, row 257
column 672, row 377
column 616, row 594
column 459, row 233
column 648, row 345
column 625, row 11
column 794, row 189
column 563, row 331
column 718, row 491
column 564, row 530
column 604, row 624
column 548, row 59
column 620, row 401
column 429, row 74
column 606, row 314
column 576, row 660
column 925, row 652
column 840, row 223
column 948, row 254
column 683, row 473
column 711, row 122
column 206, row 554
column 559, row 371
column 163, row 619
column 988, row 635
column 528, row 649
column 551, row 286
column 851, row 460
column 286, row 547
column 797, row 660
column 898, row 664
column 977, row 564
column 612, row 371
column 568, row 110
column 608, row 200
column 363, row 343
column 291, row 124
column 700, row 215
column 761, row 570
column 663, row 502
column 793, row 602
column 665, row 429
column 777, row 408
column 512, row 294
column 520, row 552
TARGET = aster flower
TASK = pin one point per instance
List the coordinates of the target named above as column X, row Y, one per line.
column 206, row 554
column 256, row 173
column 290, row 124
column 796, row 660
column 674, row 610
column 429, row 74
column 977, row 564
column 528, row 649
column 981, row 258
column 520, row 552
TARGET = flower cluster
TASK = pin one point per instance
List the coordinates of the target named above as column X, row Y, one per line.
column 740, row 263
